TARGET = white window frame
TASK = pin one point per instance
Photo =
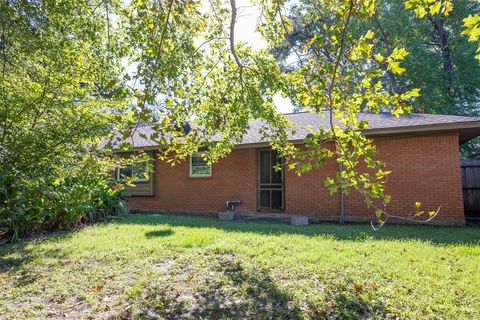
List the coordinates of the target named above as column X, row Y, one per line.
column 142, row 179
column 199, row 175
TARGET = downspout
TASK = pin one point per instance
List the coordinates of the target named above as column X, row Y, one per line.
column 342, row 191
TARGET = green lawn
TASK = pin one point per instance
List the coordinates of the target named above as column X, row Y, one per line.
column 179, row 267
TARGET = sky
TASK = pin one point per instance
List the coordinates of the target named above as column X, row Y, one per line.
column 245, row 32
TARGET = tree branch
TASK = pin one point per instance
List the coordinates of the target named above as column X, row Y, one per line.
column 386, row 41
column 340, row 50
column 233, row 20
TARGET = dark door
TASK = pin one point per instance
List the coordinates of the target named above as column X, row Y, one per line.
column 270, row 182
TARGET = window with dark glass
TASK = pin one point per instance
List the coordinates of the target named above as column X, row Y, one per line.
column 199, row 167
column 137, row 171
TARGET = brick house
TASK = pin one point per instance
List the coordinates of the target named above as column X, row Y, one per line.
column 421, row 150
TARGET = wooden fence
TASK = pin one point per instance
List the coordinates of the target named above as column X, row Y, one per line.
column 471, row 187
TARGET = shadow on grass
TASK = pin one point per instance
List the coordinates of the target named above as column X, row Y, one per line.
column 20, row 263
column 349, row 304
column 159, row 233
column 14, row 257
column 242, row 294
column 350, row 232
column 224, row 286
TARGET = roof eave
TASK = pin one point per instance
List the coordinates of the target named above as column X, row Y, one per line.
column 466, row 130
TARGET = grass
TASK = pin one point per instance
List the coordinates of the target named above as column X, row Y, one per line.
column 176, row 267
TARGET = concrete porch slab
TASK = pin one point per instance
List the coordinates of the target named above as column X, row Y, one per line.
column 272, row 217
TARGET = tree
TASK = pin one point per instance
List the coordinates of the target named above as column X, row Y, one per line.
column 57, row 60
column 440, row 60
column 437, row 12
column 65, row 91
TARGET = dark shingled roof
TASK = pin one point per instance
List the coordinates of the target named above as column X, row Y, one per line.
column 381, row 124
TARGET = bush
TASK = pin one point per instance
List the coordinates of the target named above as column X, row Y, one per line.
column 56, row 201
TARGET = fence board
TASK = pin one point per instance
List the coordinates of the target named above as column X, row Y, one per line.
column 471, row 187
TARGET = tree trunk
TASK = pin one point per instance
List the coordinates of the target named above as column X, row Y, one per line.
column 442, row 35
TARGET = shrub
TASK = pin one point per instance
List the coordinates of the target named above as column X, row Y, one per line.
column 65, row 198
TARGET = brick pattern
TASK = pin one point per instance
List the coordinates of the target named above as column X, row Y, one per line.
column 306, row 194
column 424, row 169
column 233, row 178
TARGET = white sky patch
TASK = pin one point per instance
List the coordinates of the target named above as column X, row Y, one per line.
column 283, row 105
column 247, row 19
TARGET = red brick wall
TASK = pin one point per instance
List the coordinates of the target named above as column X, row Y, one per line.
column 307, row 195
column 424, row 169
column 232, row 178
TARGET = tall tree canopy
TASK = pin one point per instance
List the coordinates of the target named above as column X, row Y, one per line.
column 440, row 62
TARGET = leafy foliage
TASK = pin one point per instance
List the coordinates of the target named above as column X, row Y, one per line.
column 49, row 202
column 439, row 60
column 338, row 72
column 78, row 78
column 434, row 8
column 58, row 102
column 472, row 30
column 439, row 12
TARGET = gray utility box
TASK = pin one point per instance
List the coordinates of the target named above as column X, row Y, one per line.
column 226, row 216
column 299, row 221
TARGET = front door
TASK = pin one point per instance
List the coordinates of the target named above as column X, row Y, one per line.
column 270, row 182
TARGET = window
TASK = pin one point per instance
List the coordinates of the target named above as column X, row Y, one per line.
column 137, row 171
column 199, row 167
